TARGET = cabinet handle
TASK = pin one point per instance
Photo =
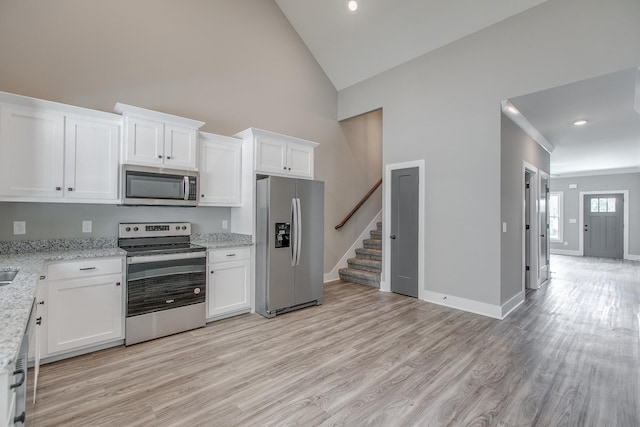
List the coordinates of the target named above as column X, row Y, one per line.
column 39, row 320
column 202, row 195
column 168, row 157
column 22, row 378
column 87, row 268
column 285, row 168
column 58, row 188
column 159, row 156
column 212, row 271
column 117, row 283
column 41, row 302
column 43, row 277
column 231, row 254
column 70, row 189
column 289, row 168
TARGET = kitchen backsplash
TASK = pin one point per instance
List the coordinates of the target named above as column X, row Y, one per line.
column 63, row 221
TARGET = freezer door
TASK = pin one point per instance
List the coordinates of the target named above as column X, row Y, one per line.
column 279, row 291
column 309, row 271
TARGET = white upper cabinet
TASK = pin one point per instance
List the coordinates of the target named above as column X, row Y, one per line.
column 220, row 170
column 91, row 159
column 31, row 152
column 277, row 154
column 57, row 153
column 158, row 139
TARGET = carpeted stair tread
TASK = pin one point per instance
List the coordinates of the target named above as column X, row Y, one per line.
column 361, row 277
column 372, row 243
column 375, row 254
column 364, row 264
column 376, row 234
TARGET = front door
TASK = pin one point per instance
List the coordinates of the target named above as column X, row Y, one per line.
column 603, row 225
column 404, row 231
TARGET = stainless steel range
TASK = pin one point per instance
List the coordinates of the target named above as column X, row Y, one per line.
column 166, row 280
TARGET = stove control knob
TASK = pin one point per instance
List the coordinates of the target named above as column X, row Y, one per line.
column 135, row 228
column 177, row 227
column 184, row 227
column 196, row 291
column 127, row 229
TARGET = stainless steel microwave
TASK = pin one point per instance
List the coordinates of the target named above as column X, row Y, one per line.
column 159, row 187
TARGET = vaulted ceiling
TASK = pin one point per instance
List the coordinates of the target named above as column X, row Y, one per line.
column 352, row 47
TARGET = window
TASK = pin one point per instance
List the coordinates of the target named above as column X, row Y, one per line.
column 603, row 204
column 555, row 216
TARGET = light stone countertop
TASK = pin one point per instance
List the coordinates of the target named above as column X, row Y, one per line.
column 222, row 240
column 16, row 299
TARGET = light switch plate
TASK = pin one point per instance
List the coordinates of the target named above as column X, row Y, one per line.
column 19, row 227
column 87, row 226
column 504, row 227
column 225, row 224
column 573, row 186
column 572, row 221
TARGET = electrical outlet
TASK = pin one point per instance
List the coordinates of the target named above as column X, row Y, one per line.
column 19, row 227
column 225, row 224
column 87, row 226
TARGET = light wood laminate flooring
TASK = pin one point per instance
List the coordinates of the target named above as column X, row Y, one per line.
column 568, row 356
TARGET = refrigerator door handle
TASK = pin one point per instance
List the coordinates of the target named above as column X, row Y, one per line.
column 294, row 232
column 298, row 231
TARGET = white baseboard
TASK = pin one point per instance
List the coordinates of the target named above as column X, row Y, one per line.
column 565, row 252
column 633, row 257
column 351, row 252
column 516, row 301
column 482, row 308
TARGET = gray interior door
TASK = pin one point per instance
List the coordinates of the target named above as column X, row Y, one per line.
column 603, row 225
column 404, row 231
column 527, row 229
column 309, row 273
column 543, row 229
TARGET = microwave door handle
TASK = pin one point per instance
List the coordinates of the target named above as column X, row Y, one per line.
column 185, row 186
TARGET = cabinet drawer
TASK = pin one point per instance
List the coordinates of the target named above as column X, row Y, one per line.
column 84, row 268
column 230, row 254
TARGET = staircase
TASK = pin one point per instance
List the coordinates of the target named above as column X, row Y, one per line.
column 365, row 268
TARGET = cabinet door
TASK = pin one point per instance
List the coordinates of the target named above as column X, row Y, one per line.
column 300, row 160
column 229, row 287
column 144, row 142
column 180, row 147
column 91, row 159
column 220, row 173
column 31, row 153
column 271, row 156
column 84, row 312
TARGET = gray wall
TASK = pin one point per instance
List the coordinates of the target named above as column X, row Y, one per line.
column 230, row 63
column 571, row 205
column 444, row 107
column 64, row 221
column 516, row 147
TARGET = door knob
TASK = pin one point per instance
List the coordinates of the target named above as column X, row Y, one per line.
column 393, row 236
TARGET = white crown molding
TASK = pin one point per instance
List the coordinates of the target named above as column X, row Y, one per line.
column 512, row 112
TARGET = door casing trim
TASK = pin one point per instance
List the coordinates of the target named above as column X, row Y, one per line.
column 385, row 281
column 625, row 220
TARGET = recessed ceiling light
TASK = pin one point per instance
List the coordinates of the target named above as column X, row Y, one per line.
column 353, row 6
column 580, row 123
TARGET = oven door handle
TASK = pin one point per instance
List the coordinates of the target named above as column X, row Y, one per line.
column 165, row 257
column 146, row 275
column 185, row 184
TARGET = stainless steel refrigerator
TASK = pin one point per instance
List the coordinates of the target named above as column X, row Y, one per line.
column 289, row 244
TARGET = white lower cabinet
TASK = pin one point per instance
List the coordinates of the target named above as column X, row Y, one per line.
column 229, row 282
column 84, row 303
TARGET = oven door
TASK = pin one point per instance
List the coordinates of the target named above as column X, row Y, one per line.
column 164, row 283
